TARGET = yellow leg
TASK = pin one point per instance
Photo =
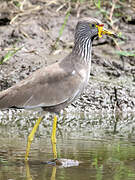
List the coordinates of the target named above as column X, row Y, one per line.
column 30, row 138
column 53, row 138
column 53, row 177
column 28, row 175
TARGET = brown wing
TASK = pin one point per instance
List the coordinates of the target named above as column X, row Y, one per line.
column 48, row 86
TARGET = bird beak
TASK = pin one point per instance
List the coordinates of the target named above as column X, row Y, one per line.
column 102, row 31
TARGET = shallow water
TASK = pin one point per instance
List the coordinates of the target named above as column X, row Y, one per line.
column 94, row 146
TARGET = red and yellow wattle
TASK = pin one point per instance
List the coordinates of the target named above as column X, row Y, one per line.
column 102, row 31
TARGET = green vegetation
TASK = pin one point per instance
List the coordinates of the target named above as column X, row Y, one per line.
column 55, row 46
column 63, row 25
column 126, row 53
column 97, row 3
column 9, row 54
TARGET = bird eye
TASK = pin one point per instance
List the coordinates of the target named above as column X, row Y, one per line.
column 92, row 25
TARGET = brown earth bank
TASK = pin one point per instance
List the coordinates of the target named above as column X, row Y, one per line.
column 36, row 27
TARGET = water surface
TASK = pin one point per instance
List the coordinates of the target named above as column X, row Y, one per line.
column 94, row 146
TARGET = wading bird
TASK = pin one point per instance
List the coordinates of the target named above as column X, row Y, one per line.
column 54, row 87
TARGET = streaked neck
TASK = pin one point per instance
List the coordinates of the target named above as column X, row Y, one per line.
column 82, row 48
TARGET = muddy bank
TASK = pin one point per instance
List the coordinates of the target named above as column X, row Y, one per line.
column 35, row 27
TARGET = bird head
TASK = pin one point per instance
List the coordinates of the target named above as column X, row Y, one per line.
column 92, row 27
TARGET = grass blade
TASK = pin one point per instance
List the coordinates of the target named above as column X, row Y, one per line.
column 9, row 54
